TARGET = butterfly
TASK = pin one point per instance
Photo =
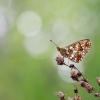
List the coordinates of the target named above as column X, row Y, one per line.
column 75, row 51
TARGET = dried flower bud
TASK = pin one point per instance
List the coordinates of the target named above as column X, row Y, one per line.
column 86, row 85
column 84, row 79
column 79, row 74
column 69, row 98
column 96, row 94
column 75, row 89
column 60, row 95
column 82, row 83
column 71, row 66
column 60, row 60
column 78, row 97
column 98, row 80
column 74, row 75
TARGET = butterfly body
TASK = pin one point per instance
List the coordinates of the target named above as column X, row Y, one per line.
column 62, row 51
column 75, row 51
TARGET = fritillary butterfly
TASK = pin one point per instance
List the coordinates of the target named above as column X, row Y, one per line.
column 75, row 51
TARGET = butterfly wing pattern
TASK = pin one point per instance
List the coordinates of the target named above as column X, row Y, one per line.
column 76, row 51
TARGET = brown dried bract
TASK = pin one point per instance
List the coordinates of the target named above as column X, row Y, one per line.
column 78, row 97
column 60, row 60
column 60, row 95
column 98, row 80
column 86, row 85
column 74, row 75
column 75, row 89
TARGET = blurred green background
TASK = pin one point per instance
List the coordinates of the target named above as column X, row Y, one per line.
column 28, row 69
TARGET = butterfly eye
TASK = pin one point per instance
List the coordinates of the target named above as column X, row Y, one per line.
column 58, row 48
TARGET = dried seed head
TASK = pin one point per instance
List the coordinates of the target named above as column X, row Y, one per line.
column 71, row 66
column 78, row 97
column 60, row 60
column 75, row 89
column 84, row 79
column 86, row 85
column 60, row 95
column 82, row 83
column 98, row 80
column 96, row 94
column 69, row 98
column 74, row 75
column 79, row 74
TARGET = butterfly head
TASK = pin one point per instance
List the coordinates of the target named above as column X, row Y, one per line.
column 58, row 48
column 61, row 50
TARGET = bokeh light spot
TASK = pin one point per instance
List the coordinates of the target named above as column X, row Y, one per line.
column 29, row 23
column 61, row 29
column 36, row 45
column 81, row 15
column 3, row 25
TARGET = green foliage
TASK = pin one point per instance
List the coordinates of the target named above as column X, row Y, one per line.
column 32, row 76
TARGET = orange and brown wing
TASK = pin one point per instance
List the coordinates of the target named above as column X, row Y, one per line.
column 76, row 51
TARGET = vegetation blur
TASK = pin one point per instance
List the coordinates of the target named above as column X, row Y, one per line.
column 28, row 70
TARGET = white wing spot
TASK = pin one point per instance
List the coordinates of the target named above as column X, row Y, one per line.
column 67, row 52
column 70, row 57
column 74, row 51
column 83, row 53
column 71, row 47
column 75, row 59
column 83, row 47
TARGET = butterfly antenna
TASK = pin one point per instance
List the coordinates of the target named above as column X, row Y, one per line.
column 53, row 43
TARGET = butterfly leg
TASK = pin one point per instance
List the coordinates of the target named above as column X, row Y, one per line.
column 68, row 62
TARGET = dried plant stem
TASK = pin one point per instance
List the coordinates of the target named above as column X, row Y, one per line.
column 78, row 76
